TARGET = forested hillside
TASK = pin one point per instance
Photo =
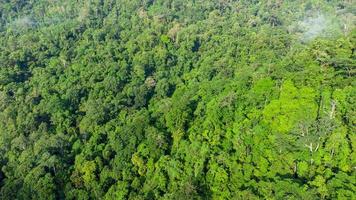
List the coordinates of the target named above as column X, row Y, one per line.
column 177, row 99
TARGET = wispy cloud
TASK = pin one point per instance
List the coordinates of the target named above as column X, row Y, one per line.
column 313, row 27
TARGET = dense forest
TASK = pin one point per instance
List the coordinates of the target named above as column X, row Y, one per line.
column 177, row 99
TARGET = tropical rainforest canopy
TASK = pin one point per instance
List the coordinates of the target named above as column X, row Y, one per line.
column 177, row 99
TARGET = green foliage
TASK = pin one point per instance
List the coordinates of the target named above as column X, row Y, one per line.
column 293, row 107
column 174, row 99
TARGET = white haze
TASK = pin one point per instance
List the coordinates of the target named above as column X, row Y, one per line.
column 23, row 22
column 313, row 27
